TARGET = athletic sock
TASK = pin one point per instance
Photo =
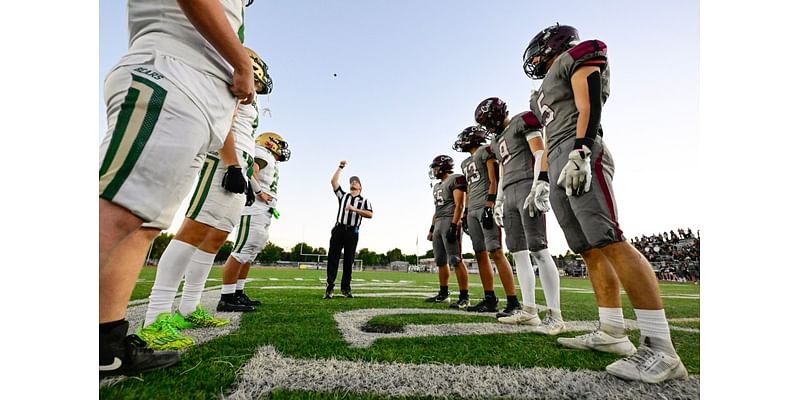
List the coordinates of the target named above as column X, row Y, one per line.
column 109, row 326
column 444, row 290
column 512, row 301
column 169, row 274
column 612, row 321
column 240, row 284
column 463, row 294
column 489, row 294
column 548, row 274
column 228, row 288
column 654, row 326
column 196, row 276
column 527, row 279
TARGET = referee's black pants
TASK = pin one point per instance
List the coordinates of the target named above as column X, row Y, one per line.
column 342, row 237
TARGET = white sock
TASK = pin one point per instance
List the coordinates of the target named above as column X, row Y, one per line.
column 653, row 325
column 169, row 274
column 527, row 279
column 196, row 276
column 612, row 321
column 240, row 284
column 228, row 288
column 548, row 273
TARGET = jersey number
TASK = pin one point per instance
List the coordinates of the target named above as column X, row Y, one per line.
column 547, row 113
column 437, row 197
column 503, row 147
column 472, row 173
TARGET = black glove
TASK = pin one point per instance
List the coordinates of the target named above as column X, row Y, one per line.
column 464, row 224
column 487, row 219
column 451, row 233
column 251, row 197
column 233, row 180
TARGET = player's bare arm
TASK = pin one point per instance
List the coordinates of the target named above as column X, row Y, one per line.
column 430, row 232
column 363, row 213
column 209, row 19
column 458, row 199
column 335, row 178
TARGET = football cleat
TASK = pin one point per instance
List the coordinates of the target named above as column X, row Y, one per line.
column 550, row 326
column 485, row 305
column 439, row 298
column 128, row 355
column 163, row 335
column 521, row 316
column 233, row 305
column 600, row 341
column 460, row 304
column 328, row 294
column 649, row 366
column 244, row 299
column 200, row 318
column 347, row 294
column 181, row 323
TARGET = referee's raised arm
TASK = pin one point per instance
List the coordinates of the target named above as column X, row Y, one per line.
column 335, row 178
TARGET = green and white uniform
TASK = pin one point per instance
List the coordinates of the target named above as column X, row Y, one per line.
column 253, row 230
column 167, row 104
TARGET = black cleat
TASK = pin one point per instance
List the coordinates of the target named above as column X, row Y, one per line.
column 233, row 305
column 460, row 304
column 439, row 298
column 243, row 299
column 509, row 310
column 128, row 355
column 347, row 294
column 328, row 294
column 485, row 305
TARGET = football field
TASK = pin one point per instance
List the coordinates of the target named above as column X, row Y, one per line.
column 388, row 343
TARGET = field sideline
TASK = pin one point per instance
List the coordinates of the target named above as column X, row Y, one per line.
column 386, row 342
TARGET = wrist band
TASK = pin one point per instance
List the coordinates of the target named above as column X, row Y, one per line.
column 491, row 197
column 543, row 176
column 431, row 231
column 580, row 142
column 341, row 166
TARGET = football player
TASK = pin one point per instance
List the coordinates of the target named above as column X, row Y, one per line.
column 169, row 100
column 445, row 231
column 214, row 210
column 253, row 232
column 518, row 145
column 481, row 171
column 575, row 85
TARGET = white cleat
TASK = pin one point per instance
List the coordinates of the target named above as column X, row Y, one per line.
column 522, row 316
column 550, row 326
column 649, row 366
column 600, row 341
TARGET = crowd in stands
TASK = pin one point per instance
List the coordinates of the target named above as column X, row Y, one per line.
column 674, row 256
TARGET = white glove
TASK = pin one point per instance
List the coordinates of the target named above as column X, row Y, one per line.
column 538, row 201
column 498, row 212
column 576, row 176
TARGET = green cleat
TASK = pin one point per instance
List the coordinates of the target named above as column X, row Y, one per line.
column 200, row 318
column 179, row 322
column 163, row 335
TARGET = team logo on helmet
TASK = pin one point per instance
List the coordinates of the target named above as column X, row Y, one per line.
column 440, row 165
column 491, row 113
column 470, row 137
column 547, row 44
column 275, row 144
column 260, row 72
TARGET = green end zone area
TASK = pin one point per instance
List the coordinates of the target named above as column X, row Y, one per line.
column 300, row 324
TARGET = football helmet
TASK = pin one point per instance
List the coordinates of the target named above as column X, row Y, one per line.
column 441, row 165
column 275, row 144
column 491, row 113
column 471, row 136
column 547, row 44
column 260, row 72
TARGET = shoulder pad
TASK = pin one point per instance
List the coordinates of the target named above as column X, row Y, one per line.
column 530, row 120
column 489, row 150
column 594, row 50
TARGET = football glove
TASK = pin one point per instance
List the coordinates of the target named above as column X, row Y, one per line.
column 250, row 196
column 233, row 180
column 576, row 176
column 487, row 218
column 538, row 200
column 498, row 212
column 451, row 233
column 464, row 223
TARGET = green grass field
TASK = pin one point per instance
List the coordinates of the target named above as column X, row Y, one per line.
column 299, row 324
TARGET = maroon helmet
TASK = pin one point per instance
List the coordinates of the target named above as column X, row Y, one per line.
column 471, row 136
column 547, row 44
column 440, row 165
column 491, row 113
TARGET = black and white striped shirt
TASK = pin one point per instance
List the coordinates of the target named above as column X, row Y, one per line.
column 345, row 216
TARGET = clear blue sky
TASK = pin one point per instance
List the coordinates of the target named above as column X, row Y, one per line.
column 410, row 74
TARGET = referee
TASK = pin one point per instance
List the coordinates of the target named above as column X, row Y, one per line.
column 352, row 208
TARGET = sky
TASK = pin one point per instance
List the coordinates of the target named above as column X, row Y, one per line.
column 409, row 75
